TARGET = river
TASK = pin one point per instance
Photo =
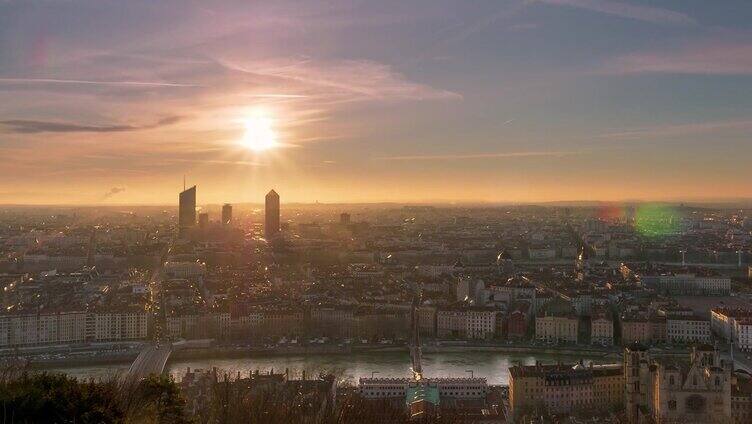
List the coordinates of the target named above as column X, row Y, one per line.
column 494, row 366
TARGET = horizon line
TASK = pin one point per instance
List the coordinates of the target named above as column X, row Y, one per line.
column 576, row 202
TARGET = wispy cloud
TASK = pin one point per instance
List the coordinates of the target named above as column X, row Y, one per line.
column 276, row 96
column 625, row 10
column 218, row 161
column 93, row 82
column 24, row 126
column 481, row 155
column 459, row 33
column 718, row 57
column 113, row 191
column 354, row 79
column 665, row 131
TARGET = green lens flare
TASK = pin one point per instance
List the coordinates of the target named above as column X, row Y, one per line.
column 654, row 220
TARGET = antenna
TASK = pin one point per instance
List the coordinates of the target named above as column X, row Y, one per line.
column 183, row 182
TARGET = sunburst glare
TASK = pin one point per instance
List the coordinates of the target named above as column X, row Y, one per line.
column 259, row 133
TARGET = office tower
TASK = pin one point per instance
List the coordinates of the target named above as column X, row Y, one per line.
column 344, row 218
column 226, row 214
column 203, row 220
column 187, row 210
column 271, row 215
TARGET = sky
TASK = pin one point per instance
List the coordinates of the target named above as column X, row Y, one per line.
column 114, row 102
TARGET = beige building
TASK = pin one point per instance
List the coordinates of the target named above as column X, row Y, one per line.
column 69, row 327
column 556, row 329
column 601, row 329
column 473, row 323
column 557, row 322
column 198, row 326
column 561, row 389
column 118, row 326
column 670, row 390
column 688, row 329
column 733, row 325
column 427, row 320
column 643, row 329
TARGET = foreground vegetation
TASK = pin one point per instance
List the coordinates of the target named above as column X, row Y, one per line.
column 42, row 397
column 33, row 397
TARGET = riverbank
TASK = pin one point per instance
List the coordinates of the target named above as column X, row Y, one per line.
column 568, row 351
column 492, row 365
column 242, row 352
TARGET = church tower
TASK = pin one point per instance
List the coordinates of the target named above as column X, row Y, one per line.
column 636, row 380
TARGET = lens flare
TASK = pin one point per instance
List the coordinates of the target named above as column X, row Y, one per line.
column 655, row 220
column 259, row 133
column 610, row 213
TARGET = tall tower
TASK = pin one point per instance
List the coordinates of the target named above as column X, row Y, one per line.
column 187, row 209
column 203, row 220
column 636, row 380
column 271, row 215
column 226, row 214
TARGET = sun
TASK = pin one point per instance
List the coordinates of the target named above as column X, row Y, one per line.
column 259, row 134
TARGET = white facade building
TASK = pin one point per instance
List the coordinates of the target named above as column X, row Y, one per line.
column 457, row 388
column 602, row 331
column 689, row 284
column 20, row 330
column 688, row 329
column 466, row 323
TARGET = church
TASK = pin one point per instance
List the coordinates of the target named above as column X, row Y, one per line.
column 668, row 389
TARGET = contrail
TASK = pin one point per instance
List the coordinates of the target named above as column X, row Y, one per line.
column 88, row 82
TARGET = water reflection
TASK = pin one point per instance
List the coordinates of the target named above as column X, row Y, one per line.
column 492, row 365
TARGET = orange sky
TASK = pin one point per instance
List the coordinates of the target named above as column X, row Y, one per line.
column 370, row 102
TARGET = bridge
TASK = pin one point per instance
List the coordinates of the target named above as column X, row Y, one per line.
column 415, row 351
column 151, row 360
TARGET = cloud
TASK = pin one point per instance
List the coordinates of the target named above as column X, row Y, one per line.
column 93, row 82
column 276, row 96
column 716, row 57
column 24, row 126
column 113, row 191
column 679, row 130
column 459, row 33
column 347, row 80
column 481, row 155
column 625, row 10
column 218, row 161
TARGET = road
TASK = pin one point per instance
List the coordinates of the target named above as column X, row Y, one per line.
column 741, row 361
column 155, row 295
column 151, row 360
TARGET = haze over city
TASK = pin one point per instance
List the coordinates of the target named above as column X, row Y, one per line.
column 342, row 101
column 376, row 211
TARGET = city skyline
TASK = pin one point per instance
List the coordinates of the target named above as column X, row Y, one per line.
column 361, row 102
column 423, row 211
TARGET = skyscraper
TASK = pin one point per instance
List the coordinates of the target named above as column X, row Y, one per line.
column 203, row 220
column 187, row 210
column 271, row 215
column 226, row 214
column 344, row 218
